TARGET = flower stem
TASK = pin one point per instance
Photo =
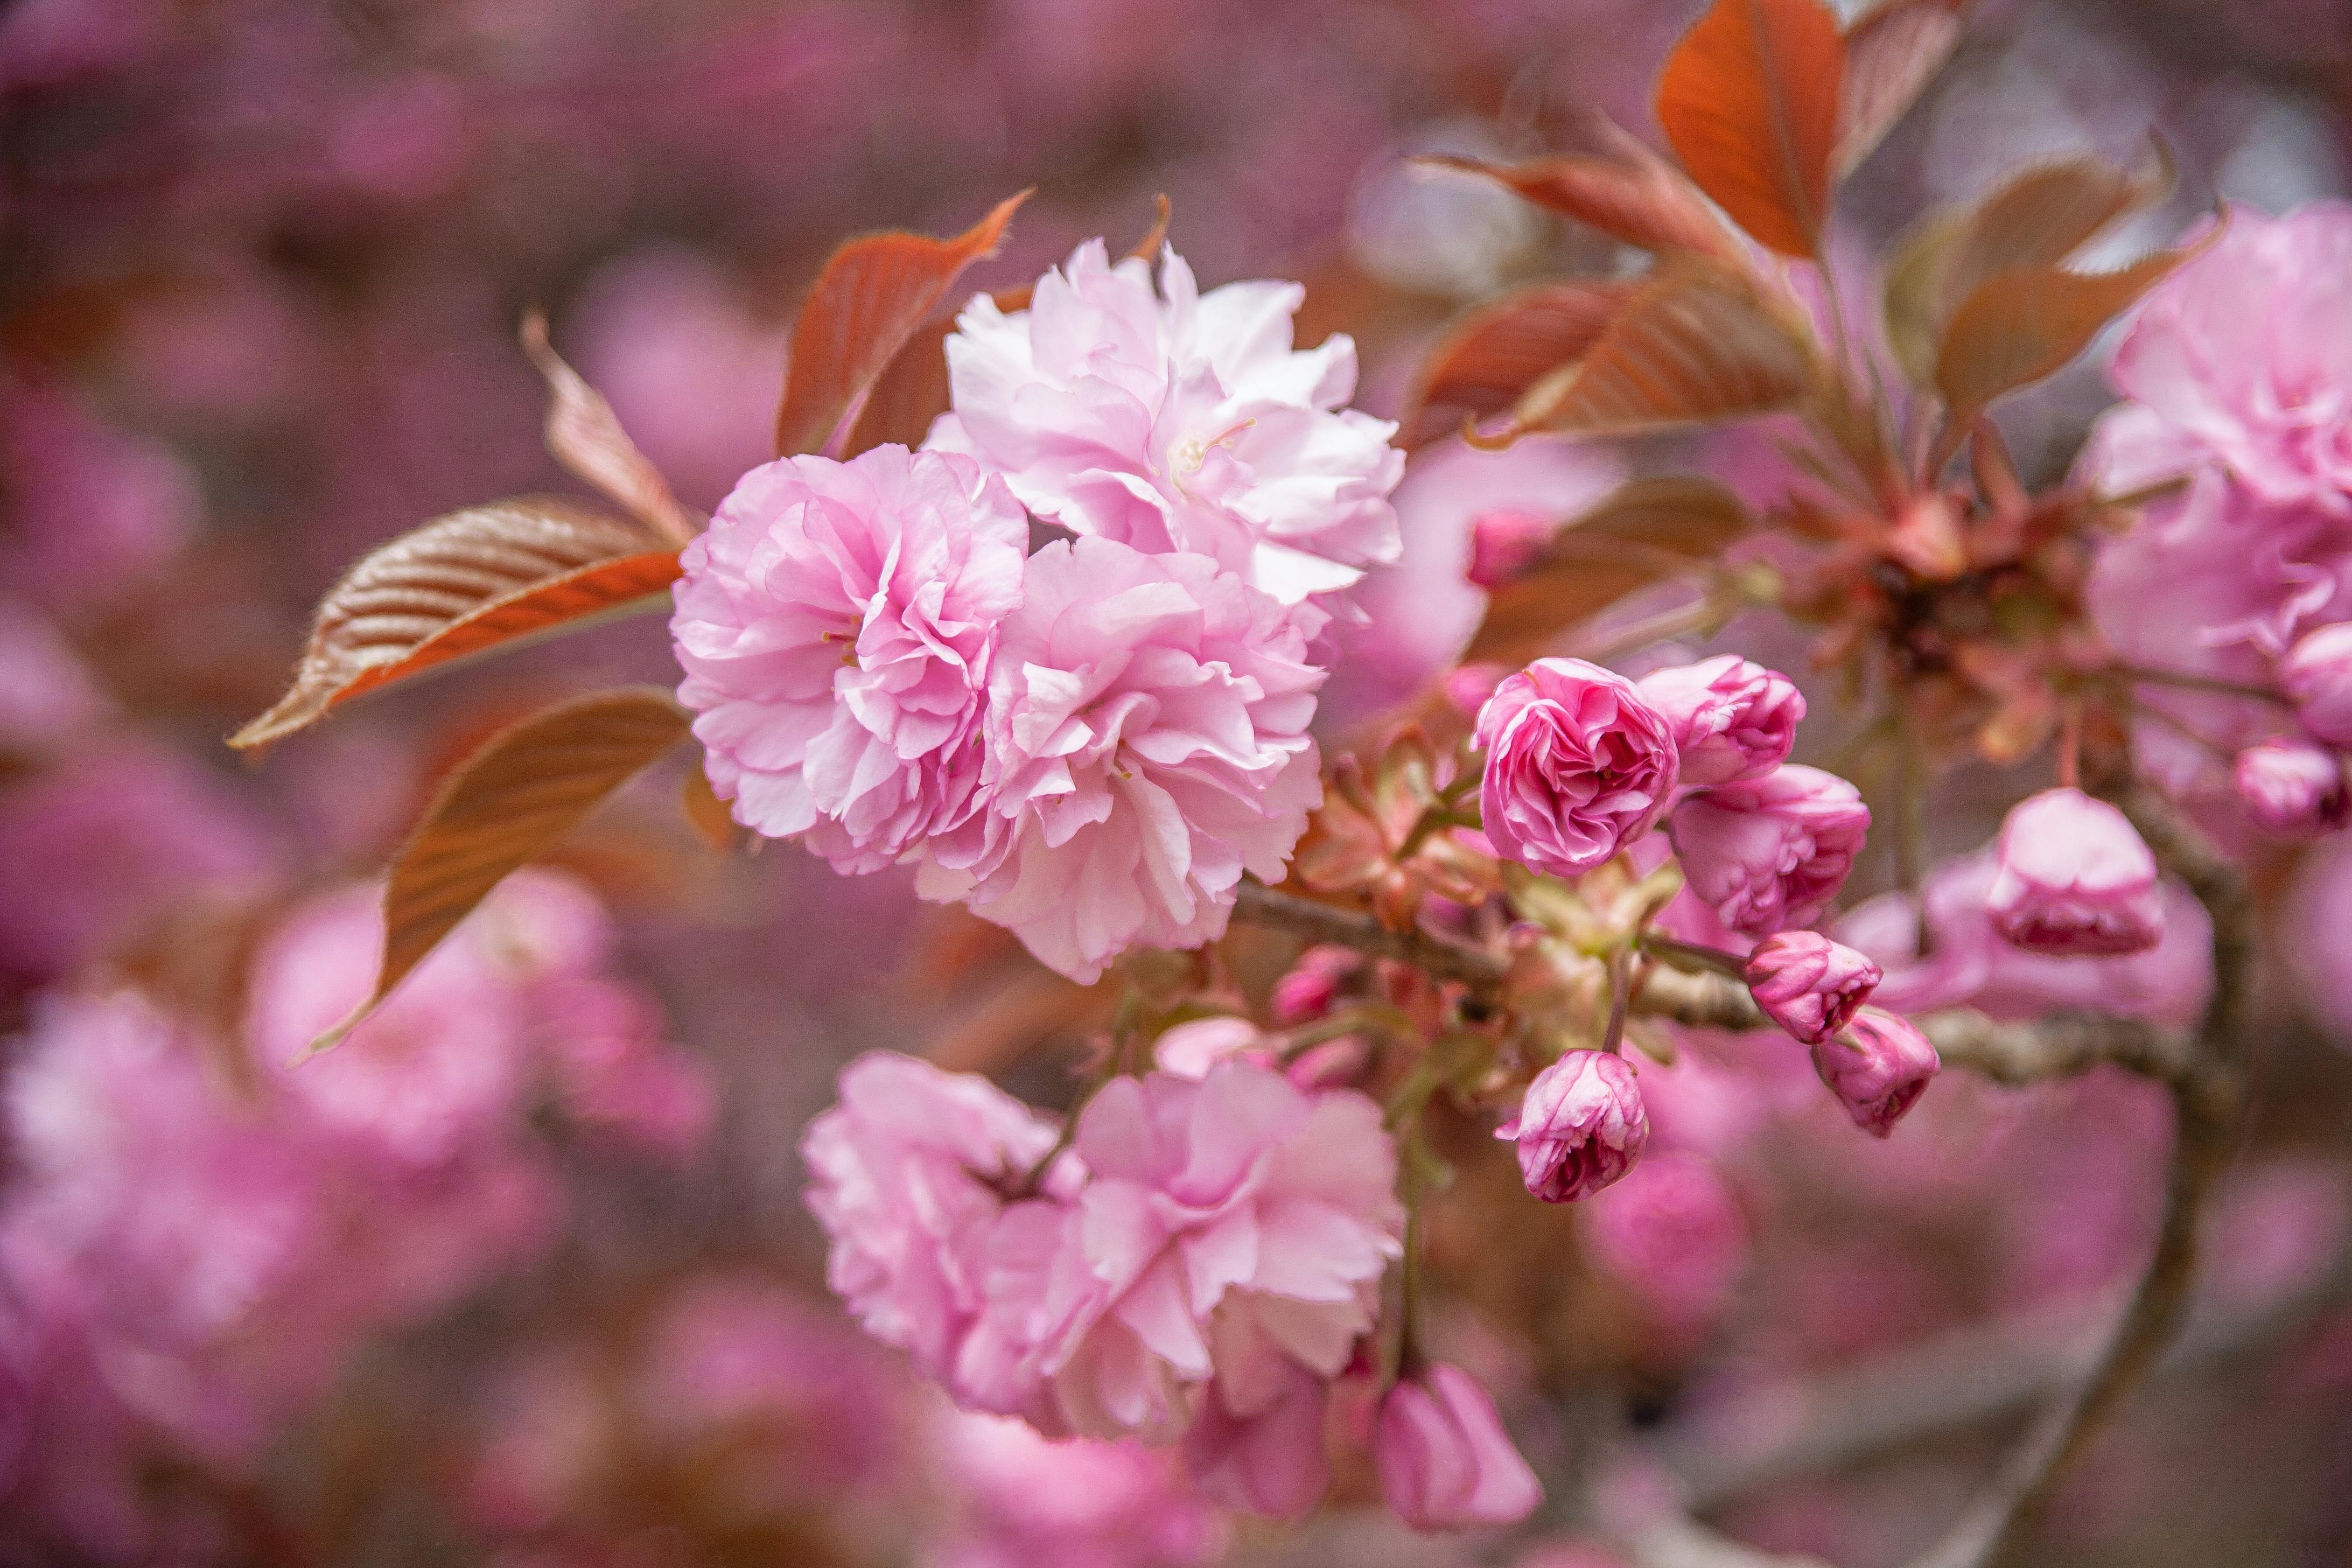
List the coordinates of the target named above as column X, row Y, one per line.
column 2190, row 682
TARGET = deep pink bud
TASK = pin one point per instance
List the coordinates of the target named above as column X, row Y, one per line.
column 1807, row 984
column 2316, row 675
column 1768, row 854
column 1580, row 1127
column 1307, row 992
column 1878, row 1066
column 2292, row 788
column 1731, row 718
column 1444, row 1461
column 2072, row 876
column 1578, row 765
column 1504, row 543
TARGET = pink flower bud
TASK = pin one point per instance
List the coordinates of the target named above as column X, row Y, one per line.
column 1467, row 689
column 2316, row 675
column 1444, row 1461
column 1504, row 543
column 2292, row 788
column 1580, row 1127
column 1768, row 854
column 1307, row 992
column 1807, row 984
column 2072, row 877
column 1878, row 1066
column 1578, row 764
column 1731, row 720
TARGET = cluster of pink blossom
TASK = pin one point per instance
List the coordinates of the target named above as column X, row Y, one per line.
column 198, row 1234
column 1091, row 743
column 2235, row 374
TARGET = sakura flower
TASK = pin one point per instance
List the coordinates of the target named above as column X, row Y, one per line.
column 1878, row 1066
column 1732, row 719
column 1580, row 1127
column 1235, row 1226
column 1444, row 1461
column 1147, row 745
column 907, row 1176
column 1768, row 854
column 2072, row 875
column 2292, row 788
column 1177, row 421
column 1579, row 765
column 837, row 626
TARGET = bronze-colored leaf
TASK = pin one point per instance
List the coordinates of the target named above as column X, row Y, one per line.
column 2038, row 219
column 1892, row 52
column 1489, row 359
column 586, row 438
column 1644, row 533
column 706, row 813
column 1627, row 192
column 2026, row 323
column 502, row 807
column 912, row 390
column 1694, row 343
column 1750, row 99
column 484, row 578
column 873, row 292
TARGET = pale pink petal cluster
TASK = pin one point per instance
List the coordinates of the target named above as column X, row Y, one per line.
column 1770, row 853
column 1177, row 421
column 1581, row 1126
column 837, row 626
column 1731, row 718
column 1444, row 1461
column 1147, row 745
column 1579, row 765
column 2072, row 876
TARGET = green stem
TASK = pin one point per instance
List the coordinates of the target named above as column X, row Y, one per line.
column 1692, row 957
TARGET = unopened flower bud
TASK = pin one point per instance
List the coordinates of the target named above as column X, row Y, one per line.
column 2072, row 876
column 1504, row 543
column 1731, row 718
column 1578, row 765
column 1807, row 984
column 1308, row 990
column 1580, row 1127
column 1878, row 1066
column 1768, row 854
column 1444, row 1461
column 2292, row 788
column 2316, row 675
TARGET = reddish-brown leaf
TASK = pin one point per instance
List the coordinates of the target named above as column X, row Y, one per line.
column 463, row 585
column 1892, row 52
column 2038, row 219
column 1750, row 99
column 1695, row 342
column 1627, row 192
column 1646, row 532
column 706, row 813
column 1489, row 359
column 912, row 390
column 502, row 807
column 586, row 438
column 873, row 292
column 2026, row 323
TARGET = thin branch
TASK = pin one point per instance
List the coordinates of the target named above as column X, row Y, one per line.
column 1441, row 956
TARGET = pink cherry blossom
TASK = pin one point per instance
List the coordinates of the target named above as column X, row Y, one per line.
column 837, row 624
column 1147, row 745
column 1731, row 718
column 2292, row 788
column 1878, row 1066
column 1444, row 1461
column 1807, row 984
column 1020, row 1500
column 1270, row 1458
column 2316, row 675
column 1768, row 854
column 910, row 1173
column 1177, row 421
column 1579, row 765
column 1581, row 1126
column 2072, row 875
column 1504, row 543
column 1670, row 1232
column 1234, row 1227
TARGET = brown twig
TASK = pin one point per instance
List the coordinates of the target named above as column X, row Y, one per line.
column 1441, row 956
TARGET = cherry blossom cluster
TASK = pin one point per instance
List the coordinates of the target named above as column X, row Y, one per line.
column 1088, row 744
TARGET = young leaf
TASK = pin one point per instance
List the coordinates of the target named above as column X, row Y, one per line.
column 586, row 438
column 1749, row 99
column 502, row 807
column 1648, row 530
column 1489, row 358
column 463, row 585
column 1892, row 52
column 912, row 390
column 873, row 294
column 1695, row 342
column 2038, row 219
column 1627, row 192
column 2028, row 322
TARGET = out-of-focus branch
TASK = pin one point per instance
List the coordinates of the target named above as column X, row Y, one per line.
column 1441, row 956
column 2206, row 1100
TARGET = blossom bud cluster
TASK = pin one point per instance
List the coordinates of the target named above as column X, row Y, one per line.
column 1090, row 745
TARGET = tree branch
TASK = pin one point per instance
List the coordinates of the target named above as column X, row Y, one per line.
column 1441, row 956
